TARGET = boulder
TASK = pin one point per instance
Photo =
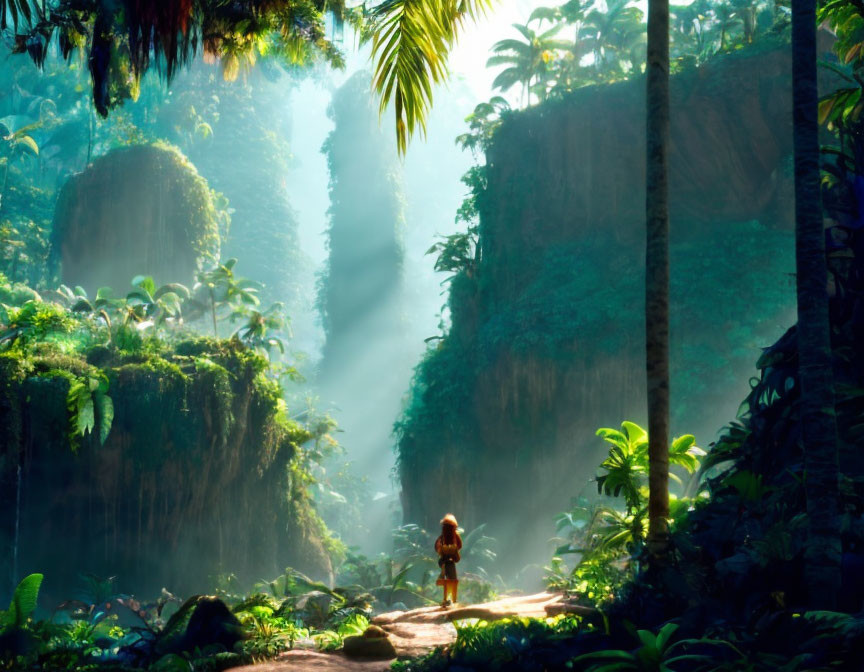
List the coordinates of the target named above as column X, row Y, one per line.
column 212, row 623
column 374, row 643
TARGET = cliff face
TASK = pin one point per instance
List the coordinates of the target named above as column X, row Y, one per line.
column 546, row 343
column 138, row 210
column 576, row 168
column 198, row 475
column 364, row 367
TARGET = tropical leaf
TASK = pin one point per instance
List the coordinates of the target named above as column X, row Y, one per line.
column 86, row 415
column 685, row 453
column 665, row 635
column 106, row 416
column 635, row 434
column 23, row 603
column 182, row 291
column 544, row 14
column 28, row 144
column 144, row 282
column 82, row 306
column 411, row 40
column 20, row 11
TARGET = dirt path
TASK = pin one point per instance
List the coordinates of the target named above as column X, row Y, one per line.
column 412, row 633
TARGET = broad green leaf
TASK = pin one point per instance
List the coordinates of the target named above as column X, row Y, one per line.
column 634, row 432
column 82, row 306
column 648, row 638
column 683, row 443
column 144, row 282
column 29, row 144
column 86, row 416
column 174, row 288
column 665, row 635
column 25, row 598
column 139, row 297
column 104, row 294
column 106, row 416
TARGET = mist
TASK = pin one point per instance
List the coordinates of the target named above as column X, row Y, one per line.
column 243, row 333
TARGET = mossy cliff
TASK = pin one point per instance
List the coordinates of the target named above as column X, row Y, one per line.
column 136, row 210
column 200, row 473
column 546, row 341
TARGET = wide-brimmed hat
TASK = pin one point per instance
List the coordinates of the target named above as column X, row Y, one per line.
column 449, row 519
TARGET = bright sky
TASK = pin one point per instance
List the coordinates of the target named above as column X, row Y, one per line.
column 471, row 83
column 468, row 60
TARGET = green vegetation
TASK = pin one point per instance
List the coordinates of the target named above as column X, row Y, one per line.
column 23, row 604
column 608, row 42
column 609, row 540
column 123, row 44
column 86, row 381
column 130, row 436
column 145, row 205
column 363, row 274
column 561, row 319
column 94, row 631
column 509, row 644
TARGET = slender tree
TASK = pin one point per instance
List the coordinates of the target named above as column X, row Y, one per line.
column 527, row 61
column 818, row 423
column 657, row 277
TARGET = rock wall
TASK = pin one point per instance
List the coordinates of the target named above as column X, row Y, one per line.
column 197, row 477
column 364, row 366
column 138, row 210
column 546, row 342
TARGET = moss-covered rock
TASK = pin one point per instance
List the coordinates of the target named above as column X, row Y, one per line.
column 547, row 337
column 136, row 210
column 199, row 474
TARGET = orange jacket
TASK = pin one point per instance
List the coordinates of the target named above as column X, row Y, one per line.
column 449, row 552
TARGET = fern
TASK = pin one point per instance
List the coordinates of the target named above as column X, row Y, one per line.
column 23, row 603
column 89, row 404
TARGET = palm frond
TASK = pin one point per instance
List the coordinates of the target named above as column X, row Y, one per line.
column 507, row 79
column 540, row 14
column 411, row 41
column 512, row 45
column 20, row 11
column 501, row 59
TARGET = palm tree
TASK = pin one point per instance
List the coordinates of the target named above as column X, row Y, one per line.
column 220, row 287
column 15, row 143
column 691, row 31
column 657, row 278
column 527, row 61
column 818, row 423
column 17, row 10
column 727, row 20
column 613, row 33
column 411, row 40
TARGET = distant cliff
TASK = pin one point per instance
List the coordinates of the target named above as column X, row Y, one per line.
column 139, row 210
column 546, row 342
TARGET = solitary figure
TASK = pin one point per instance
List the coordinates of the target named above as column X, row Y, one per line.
column 447, row 546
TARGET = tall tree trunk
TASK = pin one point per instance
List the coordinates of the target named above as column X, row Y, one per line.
column 818, row 423
column 657, row 278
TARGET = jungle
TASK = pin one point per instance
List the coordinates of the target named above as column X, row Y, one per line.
column 432, row 335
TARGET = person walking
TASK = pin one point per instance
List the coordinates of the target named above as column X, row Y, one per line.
column 447, row 546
